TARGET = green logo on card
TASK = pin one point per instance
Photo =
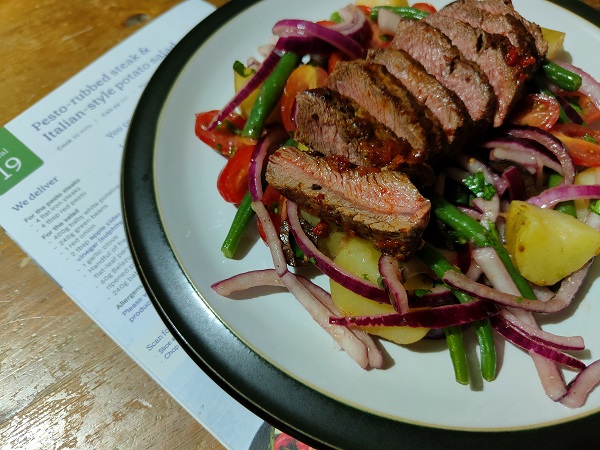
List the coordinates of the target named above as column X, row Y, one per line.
column 16, row 161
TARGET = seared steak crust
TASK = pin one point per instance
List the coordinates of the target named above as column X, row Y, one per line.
column 332, row 124
column 490, row 52
column 443, row 60
column 443, row 103
column 382, row 206
column 526, row 52
column 387, row 100
column 500, row 7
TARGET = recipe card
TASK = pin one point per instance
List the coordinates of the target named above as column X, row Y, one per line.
column 60, row 169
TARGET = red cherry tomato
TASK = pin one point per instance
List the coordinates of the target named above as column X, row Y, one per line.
column 587, row 110
column 232, row 182
column 536, row 110
column 225, row 138
column 301, row 79
column 427, row 7
column 275, row 204
column 582, row 143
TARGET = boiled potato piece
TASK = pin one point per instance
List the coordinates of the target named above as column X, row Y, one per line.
column 555, row 41
column 360, row 257
column 588, row 176
column 548, row 245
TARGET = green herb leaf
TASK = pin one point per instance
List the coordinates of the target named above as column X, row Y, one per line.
column 478, row 186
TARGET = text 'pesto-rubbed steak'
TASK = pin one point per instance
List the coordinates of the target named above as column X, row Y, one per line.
column 380, row 205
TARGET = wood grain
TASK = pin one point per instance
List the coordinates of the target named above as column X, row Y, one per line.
column 65, row 384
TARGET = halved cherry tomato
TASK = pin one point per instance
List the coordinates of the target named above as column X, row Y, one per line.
column 225, row 138
column 334, row 58
column 582, row 143
column 232, row 182
column 275, row 205
column 301, row 79
column 427, row 7
column 536, row 110
column 587, row 110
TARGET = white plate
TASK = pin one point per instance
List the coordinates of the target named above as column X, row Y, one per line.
column 164, row 157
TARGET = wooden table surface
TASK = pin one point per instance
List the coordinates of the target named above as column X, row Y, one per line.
column 64, row 383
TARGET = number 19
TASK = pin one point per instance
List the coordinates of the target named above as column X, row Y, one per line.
column 11, row 164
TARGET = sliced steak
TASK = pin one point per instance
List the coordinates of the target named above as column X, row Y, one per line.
column 443, row 103
column 333, row 124
column 387, row 100
column 525, row 53
column 489, row 52
column 441, row 59
column 382, row 206
column 500, row 7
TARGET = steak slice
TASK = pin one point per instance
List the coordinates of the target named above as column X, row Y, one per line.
column 441, row 59
column 490, row 53
column 526, row 53
column 388, row 101
column 443, row 103
column 383, row 206
column 500, row 7
column 333, row 124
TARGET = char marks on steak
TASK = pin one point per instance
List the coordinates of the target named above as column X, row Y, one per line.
column 443, row 103
column 435, row 52
column 472, row 12
column 380, row 205
column 501, row 7
column 388, row 101
column 489, row 52
column 333, row 124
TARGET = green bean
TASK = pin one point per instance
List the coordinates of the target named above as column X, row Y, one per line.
column 243, row 217
column 407, row 12
column 563, row 78
column 458, row 355
column 268, row 96
column 473, row 231
column 429, row 255
column 567, row 207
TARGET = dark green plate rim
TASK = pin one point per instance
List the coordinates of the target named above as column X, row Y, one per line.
column 286, row 403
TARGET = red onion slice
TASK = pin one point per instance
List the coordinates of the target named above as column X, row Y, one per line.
column 247, row 280
column 304, row 28
column 520, row 340
column 272, row 139
column 390, row 273
column 387, row 21
column 257, row 79
column 353, row 22
column 552, row 196
column 550, row 376
column 463, row 283
column 347, row 340
column 441, row 317
column 569, row 343
column 582, row 384
column 327, row 266
column 552, row 144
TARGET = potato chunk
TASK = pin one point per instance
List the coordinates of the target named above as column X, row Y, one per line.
column 548, row 245
column 360, row 257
